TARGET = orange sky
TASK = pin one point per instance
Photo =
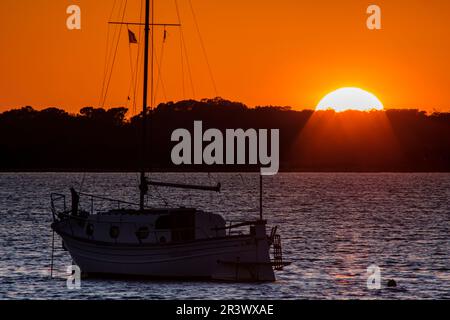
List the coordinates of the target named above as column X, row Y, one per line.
column 286, row 52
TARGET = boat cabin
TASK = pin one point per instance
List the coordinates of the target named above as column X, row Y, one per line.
column 151, row 226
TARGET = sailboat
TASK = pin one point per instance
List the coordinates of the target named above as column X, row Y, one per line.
column 134, row 240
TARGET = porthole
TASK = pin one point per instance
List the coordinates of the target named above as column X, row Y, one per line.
column 114, row 232
column 90, row 230
column 143, row 233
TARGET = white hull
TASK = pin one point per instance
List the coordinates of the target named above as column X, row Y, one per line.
column 232, row 258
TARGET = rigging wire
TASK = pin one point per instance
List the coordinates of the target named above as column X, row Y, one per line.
column 107, row 55
column 134, row 69
column 133, row 75
column 138, row 61
column 203, row 48
column 136, row 83
column 152, row 93
column 115, row 53
column 82, row 182
column 185, row 50
column 112, row 51
column 152, row 58
column 159, row 65
column 166, row 203
column 182, row 67
column 105, row 72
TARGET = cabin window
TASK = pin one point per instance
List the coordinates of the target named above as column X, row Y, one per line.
column 181, row 224
column 163, row 223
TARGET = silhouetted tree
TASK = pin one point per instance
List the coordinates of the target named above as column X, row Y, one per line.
column 99, row 139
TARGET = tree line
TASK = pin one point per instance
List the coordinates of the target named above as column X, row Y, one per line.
column 96, row 139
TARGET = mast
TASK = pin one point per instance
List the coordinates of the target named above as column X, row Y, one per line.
column 149, row 8
column 144, row 183
column 143, row 187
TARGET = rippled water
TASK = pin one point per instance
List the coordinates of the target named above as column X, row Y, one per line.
column 333, row 226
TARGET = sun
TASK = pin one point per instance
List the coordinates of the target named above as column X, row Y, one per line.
column 350, row 99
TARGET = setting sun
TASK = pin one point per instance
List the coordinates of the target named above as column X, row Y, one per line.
column 350, row 99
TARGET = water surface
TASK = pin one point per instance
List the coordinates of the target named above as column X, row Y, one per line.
column 333, row 226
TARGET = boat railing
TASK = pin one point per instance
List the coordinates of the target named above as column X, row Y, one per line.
column 119, row 204
column 90, row 205
column 238, row 227
column 58, row 204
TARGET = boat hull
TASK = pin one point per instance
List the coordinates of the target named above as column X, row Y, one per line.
column 232, row 258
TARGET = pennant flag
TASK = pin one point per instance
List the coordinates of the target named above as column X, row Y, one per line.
column 132, row 37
